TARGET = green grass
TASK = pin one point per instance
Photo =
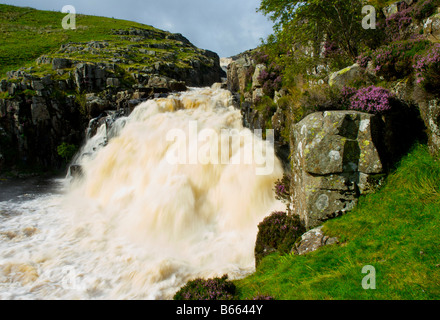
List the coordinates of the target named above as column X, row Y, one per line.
column 395, row 230
column 26, row 34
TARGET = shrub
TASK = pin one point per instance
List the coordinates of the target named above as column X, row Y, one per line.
column 66, row 151
column 427, row 70
column 369, row 99
column 270, row 78
column 210, row 289
column 320, row 98
column 424, row 8
column 334, row 55
column 266, row 107
column 394, row 61
column 282, row 189
column 277, row 232
column 396, row 25
column 262, row 297
column 363, row 59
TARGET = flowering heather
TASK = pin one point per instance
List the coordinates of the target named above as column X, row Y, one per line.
column 363, row 59
column 263, row 297
column 396, row 24
column 282, row 189
column 271, row 79
column 371, row 99
column 394, row 61
column 277, row 232
column 424, row 8
column 427, row 69
column 331, row 49
column 426, row 62
column 260, row 57
column 211, row 289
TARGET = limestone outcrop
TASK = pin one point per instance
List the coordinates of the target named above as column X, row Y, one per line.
column 336, row 157
column 39, row 110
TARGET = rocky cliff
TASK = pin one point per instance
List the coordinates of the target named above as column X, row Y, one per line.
column 52, row 101
column 337, row 154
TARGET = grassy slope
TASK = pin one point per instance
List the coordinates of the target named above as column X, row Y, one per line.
column 26, row 34
column 395, row 230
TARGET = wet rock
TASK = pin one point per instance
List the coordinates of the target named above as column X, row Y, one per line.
column 76, row 171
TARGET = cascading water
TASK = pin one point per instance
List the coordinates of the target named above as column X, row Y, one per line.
column 138, row 224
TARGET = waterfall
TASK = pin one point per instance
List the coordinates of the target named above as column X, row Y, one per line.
column 173, row 192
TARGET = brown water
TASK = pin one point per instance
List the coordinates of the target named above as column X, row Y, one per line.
column 152, row 211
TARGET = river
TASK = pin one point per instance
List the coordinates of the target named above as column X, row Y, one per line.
column 173, row 192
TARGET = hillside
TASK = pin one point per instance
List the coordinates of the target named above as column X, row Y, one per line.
column 28, row 34
column 394, row 230
column 54, row 81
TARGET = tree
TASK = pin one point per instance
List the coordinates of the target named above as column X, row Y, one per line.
column 66, row 151
column 311, row 23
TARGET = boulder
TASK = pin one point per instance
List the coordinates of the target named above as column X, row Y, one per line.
column 76, row 171
column 95, row 105
column 396, row 7
column 259, row 69
column 430, row 112
column 237, row 72
column 345, row 76
column 113, row 82
column 336, row 156
column 431, row 27
column 391, row 9
column 37, row 85
column 312, row 241
column 61, row 63
column 90, row 77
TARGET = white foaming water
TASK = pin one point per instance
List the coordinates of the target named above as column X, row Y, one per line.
column 136, row 226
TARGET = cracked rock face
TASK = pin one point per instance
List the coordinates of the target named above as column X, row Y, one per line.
column 335, row 159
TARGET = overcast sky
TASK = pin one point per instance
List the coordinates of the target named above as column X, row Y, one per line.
column 227, row 27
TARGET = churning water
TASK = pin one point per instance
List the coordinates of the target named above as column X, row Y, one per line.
column 138, row 225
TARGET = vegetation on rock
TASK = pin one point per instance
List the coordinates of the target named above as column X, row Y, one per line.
column 210, row 289
column 394, row 230
column 277, row 233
